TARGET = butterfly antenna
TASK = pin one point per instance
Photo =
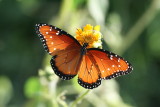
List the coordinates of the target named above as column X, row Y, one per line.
column 78, row 30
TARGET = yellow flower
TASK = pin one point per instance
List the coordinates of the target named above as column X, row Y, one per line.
column 89, row 35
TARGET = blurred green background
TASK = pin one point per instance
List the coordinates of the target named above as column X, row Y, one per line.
column 131, row 28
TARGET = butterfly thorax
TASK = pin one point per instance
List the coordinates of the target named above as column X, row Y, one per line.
column 83, row 49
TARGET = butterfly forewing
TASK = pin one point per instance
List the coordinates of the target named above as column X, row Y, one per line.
column 55, row 39
column 109, row 64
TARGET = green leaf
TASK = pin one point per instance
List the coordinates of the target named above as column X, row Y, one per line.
column 32, row 87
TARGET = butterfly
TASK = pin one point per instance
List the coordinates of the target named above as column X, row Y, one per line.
column 70, row 58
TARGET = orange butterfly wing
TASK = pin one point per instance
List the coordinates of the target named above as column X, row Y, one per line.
column 88, row 73
column 110, row 64
column 100, row 64
column 64, row 48
column 70, row 58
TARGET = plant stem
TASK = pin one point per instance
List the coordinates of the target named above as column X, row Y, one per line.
column 79, row 98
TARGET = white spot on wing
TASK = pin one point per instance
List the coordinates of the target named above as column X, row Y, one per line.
column 57, row 33
column 111, row 57
column 50, row 29
column 118, row 59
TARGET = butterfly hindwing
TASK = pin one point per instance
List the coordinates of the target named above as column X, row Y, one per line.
column 66, row 63
column 88, row 74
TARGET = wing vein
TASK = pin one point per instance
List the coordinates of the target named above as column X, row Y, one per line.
column 85, row 68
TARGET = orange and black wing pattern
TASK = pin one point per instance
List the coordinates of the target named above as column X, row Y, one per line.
column 98, row 64
column 64, row 48
column 70, row 58
column 88, row 73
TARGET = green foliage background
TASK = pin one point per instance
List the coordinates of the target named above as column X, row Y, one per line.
column 130, row 28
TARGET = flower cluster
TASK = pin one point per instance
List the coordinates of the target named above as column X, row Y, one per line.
column 90, row 35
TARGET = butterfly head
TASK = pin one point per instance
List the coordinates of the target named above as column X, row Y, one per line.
column 90, row 35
